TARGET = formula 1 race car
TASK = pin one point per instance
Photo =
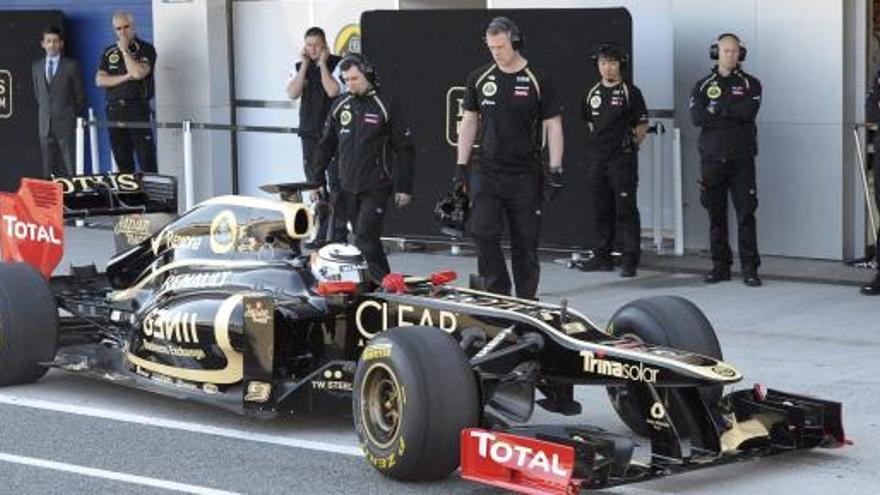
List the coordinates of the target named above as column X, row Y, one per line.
column 220, row 305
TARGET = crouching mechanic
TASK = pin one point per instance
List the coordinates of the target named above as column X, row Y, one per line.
column 375, row 156
column 617, row 120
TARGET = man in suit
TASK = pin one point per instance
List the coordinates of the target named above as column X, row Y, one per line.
column 58, row 86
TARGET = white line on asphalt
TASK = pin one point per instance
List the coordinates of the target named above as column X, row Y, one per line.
column 179, row 425
column 111, row 475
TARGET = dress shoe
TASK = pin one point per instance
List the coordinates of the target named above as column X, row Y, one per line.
column 596, row 264
column 627, row 270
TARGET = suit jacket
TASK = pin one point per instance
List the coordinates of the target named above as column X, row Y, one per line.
column 62, row 100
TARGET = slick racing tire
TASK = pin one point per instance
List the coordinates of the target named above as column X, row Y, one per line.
column 414, row 392
column 28, row 324
column 669, row 321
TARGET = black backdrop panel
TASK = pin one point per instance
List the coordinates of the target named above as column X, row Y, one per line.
column 19, row 136
column 423, row 56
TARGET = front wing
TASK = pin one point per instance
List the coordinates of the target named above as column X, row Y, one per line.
column 567, row 459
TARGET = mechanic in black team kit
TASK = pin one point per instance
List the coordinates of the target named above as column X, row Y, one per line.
column 724, row 105
column 315, row 83
column 872, row 116
column 126, row 72
column 363, row 132
column 617, row 120
column 507, row 106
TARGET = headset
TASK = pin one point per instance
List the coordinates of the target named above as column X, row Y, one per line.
column 363, row 64
column 502, row 23
column 713, row 48
column 612, row 51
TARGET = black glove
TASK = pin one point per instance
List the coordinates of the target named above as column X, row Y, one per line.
column 554, row 183
column 461, row 180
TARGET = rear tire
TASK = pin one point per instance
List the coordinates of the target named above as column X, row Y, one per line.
column 414, row 391
column 670, row 321
column 28, row 324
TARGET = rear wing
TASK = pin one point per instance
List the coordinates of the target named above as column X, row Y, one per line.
column 32, row 219
column 114, row 194
column 31, row 225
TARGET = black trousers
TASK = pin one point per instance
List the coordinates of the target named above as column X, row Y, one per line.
column 331, row 209
column 125, row 143
column 516, row 199
column 59, row 150
column 736, row 177
column 366, row 212
column 613, row 209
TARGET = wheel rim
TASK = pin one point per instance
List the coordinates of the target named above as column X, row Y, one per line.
column 381, row 405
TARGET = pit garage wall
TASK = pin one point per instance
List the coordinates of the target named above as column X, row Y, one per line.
column 798, row 49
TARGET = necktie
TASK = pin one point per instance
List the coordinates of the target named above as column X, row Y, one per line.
column 50, row 70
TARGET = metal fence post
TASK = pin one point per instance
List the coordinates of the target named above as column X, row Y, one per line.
column 188, row 164
column 677, row 192
column 657, row 196
column 80, row 145
column 93, row 142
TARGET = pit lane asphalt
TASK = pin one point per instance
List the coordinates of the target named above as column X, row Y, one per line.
column 815, row 339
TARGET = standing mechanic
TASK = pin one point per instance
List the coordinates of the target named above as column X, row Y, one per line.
column 724, row 104
column 872, row 116
column 126, row 72
column 618, row 122
column 315, row 83
column 362, row 132
column 508, row 104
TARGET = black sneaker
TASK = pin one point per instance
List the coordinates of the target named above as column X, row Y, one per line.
column 718, row 274
column 873, row 288
column 596, row 264
column 627, row 270
column 752, row 279
column 750, row 276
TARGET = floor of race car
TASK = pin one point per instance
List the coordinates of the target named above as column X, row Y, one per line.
column 67, row 434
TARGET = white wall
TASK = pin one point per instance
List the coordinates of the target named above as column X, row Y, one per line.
column 268, row 36
column 794, row 48
column 192, row 83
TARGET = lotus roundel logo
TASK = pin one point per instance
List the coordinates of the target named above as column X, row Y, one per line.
column 224, row 232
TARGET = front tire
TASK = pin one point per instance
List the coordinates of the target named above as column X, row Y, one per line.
column 669, row 321
column 414, row 392
column 28, row 324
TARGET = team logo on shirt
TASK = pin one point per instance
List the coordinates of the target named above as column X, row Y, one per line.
column 490, row 88
column 345, row 117
column 113, row 58
column 713, row 92
column 595, row 101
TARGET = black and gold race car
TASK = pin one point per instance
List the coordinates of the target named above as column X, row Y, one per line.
column 220, row 305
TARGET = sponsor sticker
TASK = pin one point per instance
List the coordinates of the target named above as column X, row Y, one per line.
column 635, row 372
